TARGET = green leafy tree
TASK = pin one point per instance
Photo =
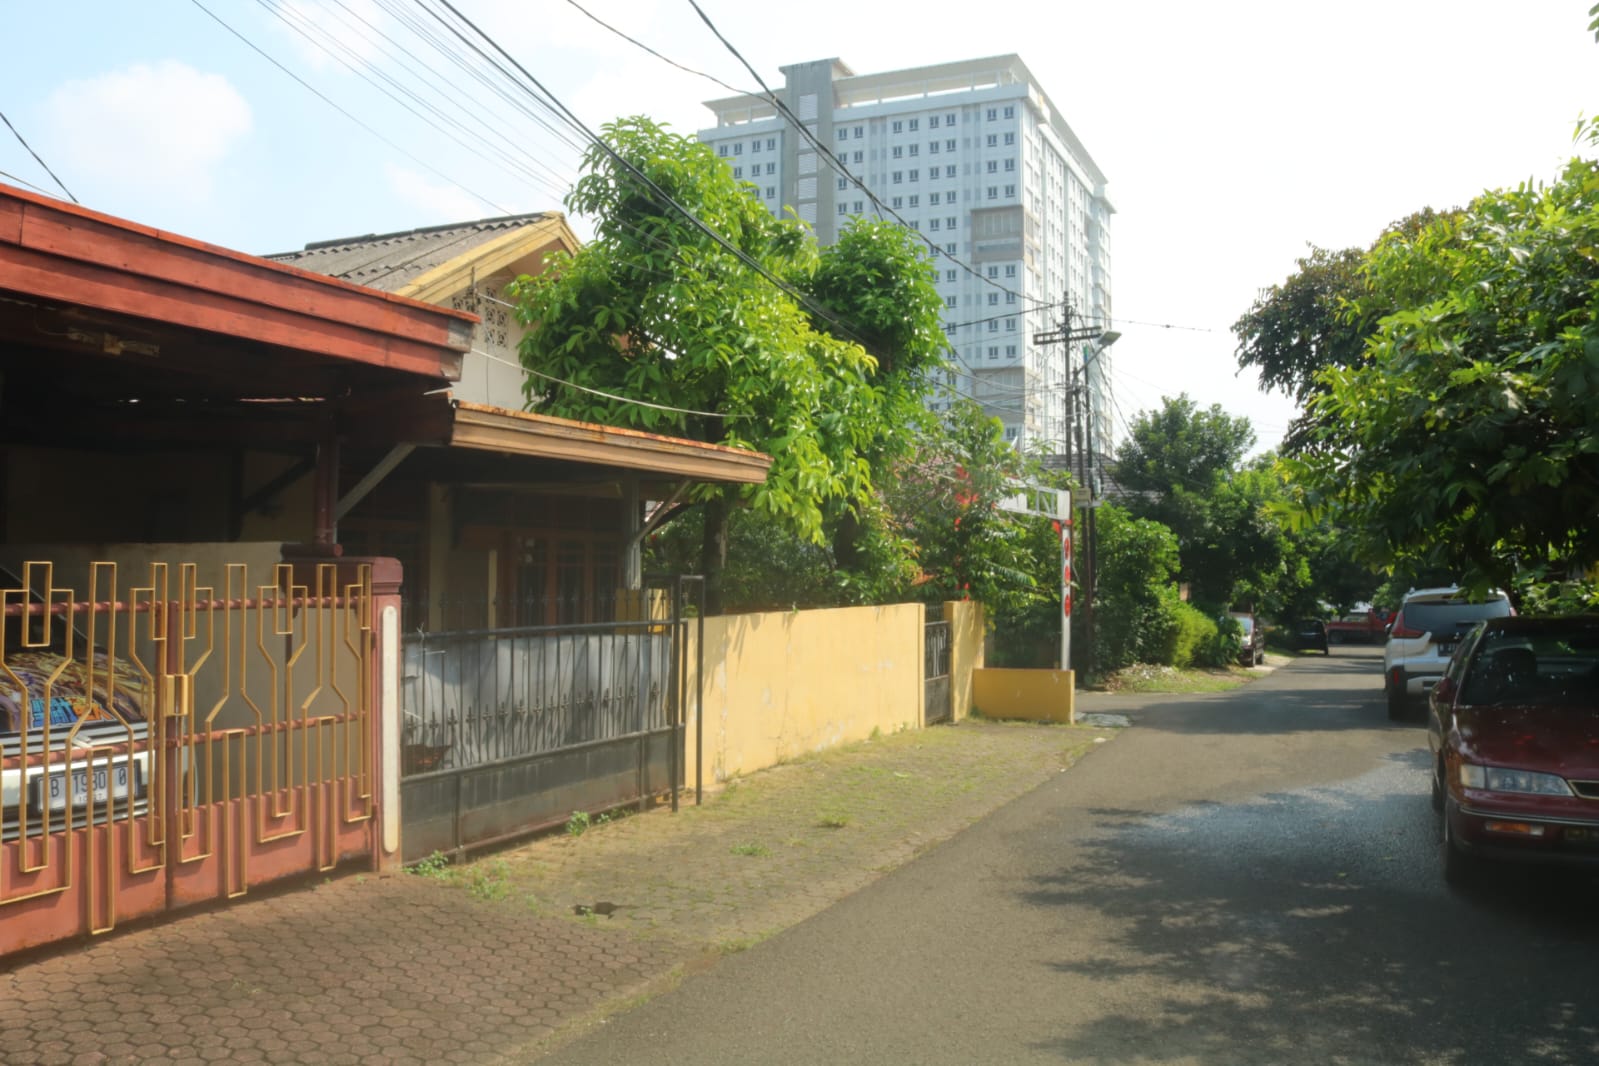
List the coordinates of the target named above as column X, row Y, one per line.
column 1299, row 327
column 1320, row 316
column 945, row 500
column 1184, row 467
column 707, row 332
column 1466, row 439
column 1135, row 612
column 877, row 278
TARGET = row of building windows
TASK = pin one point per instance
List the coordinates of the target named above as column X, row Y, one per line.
column 755, row 170
column 755, row 146
column 913, row 125
column 992, row 323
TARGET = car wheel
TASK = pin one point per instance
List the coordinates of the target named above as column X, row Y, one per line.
column 1396, row 704
column 1459, row 867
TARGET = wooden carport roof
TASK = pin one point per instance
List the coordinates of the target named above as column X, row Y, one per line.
column 115, row 334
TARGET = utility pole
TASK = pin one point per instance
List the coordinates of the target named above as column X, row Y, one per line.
column 1068, row 333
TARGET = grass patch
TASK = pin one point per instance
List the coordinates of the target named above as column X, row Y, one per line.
column 483, row 880
column 1168, row 679
column 833, row 820
column 436, row 866
column 750, row 849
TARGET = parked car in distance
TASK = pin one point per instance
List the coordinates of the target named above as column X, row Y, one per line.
column 1513, row 726
column 1358, row 628
column 1253, row 651
column 1308, row 634
column 1423, row 636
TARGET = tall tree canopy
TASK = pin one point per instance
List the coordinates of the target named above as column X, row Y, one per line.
column 1320, row 316
column 693, row 303
column 1184, row 466
column 1467, row 438
column 1299, row 327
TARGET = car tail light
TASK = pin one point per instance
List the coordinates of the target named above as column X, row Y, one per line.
column 1404, row 632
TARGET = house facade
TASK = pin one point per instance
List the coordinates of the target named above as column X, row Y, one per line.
column 201, row 681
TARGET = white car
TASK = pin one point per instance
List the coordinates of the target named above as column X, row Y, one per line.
column 1423, row 637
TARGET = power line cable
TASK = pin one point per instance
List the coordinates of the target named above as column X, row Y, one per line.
column 827, row 153
column 343, row 54
column 663, row 199
column 600, row 392
column 832, row 159
column 26, row 183
column 442, row 45
column 21, row 140
column 327, row 100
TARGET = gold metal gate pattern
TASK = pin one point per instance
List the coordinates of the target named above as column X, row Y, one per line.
column 176, row 745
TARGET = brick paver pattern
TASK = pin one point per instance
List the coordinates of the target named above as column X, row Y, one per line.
column 491, row 960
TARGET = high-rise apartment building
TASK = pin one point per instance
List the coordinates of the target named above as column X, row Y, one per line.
column 976, row 157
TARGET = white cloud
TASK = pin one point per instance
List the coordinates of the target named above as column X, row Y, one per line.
column 163, row 127
column 438, row 201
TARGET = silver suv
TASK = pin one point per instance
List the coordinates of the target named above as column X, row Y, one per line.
column 1423, row 637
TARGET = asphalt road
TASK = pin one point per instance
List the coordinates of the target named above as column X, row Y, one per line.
column 1249, row 877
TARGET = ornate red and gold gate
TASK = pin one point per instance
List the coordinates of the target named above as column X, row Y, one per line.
column 172, row 742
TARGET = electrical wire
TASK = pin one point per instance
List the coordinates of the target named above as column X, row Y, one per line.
column 447, row 125
column 663, row 199
column 327, row 100
column 26, row 184
column 21, row 140
column 838, row 165
column 599, row 392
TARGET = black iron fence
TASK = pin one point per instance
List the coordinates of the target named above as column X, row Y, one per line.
column 511, row 729
column 937, row 642
column 473, row 697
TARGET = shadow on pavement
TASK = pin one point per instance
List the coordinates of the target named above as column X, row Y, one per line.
column 1313, row 926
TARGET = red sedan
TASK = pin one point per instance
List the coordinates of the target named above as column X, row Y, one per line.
column 1514, row 731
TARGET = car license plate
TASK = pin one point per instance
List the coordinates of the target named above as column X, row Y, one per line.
column 116, row 781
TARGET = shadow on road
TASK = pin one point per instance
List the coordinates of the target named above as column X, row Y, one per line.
column 1313, row 926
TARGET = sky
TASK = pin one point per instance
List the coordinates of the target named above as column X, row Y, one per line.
column 1234, row 134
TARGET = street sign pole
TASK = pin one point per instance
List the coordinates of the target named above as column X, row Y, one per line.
column 1066, row 592
column 1045, row 502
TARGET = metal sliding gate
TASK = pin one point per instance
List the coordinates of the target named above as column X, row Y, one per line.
column 174, row 743
column 509, row 731
column 936, row 695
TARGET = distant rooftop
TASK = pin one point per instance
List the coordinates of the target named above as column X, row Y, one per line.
column 388, row 261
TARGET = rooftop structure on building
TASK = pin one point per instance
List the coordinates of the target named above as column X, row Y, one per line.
column 976, row 157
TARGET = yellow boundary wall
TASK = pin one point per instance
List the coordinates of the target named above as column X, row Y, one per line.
column 1031, row 695
column 782, row 684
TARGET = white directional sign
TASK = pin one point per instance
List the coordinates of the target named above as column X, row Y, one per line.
column 1057, row 504
column 1038, row 500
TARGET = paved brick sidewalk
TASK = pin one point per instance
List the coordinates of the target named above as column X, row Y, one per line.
column 490, row 961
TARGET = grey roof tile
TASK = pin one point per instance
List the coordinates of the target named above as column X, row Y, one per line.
column 388, row 261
